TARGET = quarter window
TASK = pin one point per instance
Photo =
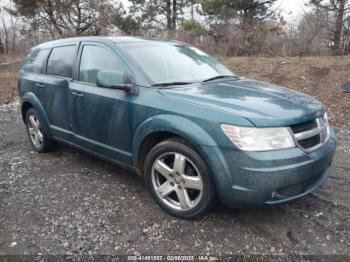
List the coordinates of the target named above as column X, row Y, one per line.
column 95, row 59
column 61, row 61
column 36, row 60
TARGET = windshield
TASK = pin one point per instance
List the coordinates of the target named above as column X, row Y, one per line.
column 169, row 63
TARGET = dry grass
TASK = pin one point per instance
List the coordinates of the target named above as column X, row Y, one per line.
column 8, row 82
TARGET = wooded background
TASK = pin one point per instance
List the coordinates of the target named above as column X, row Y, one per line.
column 222, row 27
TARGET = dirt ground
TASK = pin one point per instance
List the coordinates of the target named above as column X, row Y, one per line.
column 67, row 202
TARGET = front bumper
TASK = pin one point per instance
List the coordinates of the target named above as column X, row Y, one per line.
column 245, row 179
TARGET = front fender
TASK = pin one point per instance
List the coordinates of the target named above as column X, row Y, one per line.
column 174, row 124
column 35, row 102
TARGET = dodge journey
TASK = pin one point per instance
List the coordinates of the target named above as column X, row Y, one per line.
column 192, row 128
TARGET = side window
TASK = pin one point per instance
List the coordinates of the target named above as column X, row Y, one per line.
column 60, row 62
column 35, row 61
column 93, row 60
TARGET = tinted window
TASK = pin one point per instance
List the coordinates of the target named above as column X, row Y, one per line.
column 36, row 60
column 93, row 60
column 61, row 61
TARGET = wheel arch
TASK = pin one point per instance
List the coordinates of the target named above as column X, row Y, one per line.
column 24, row 108
column 30, row 100
column 160, row 128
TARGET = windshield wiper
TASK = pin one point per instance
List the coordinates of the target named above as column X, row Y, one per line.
column 172, row 84
column 219, row 77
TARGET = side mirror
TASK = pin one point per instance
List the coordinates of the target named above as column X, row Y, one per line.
column 116, row 80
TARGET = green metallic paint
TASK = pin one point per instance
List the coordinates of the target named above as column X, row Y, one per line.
column 113, row 124
column 253, row 176
column 263, row 104
column 30, row 98
column 174, row 124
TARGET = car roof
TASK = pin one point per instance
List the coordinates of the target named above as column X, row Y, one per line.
column 115, row 39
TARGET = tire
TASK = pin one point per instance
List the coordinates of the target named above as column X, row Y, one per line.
column 37, row 136
column 179, row 180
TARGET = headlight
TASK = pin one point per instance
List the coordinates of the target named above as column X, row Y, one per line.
column 259, row 139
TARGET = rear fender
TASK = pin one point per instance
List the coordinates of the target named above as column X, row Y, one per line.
column 31, row 98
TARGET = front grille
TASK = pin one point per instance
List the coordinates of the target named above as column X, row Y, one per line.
column 312, row 134
column 310, row 142
column 299, row 128
column 291, row 191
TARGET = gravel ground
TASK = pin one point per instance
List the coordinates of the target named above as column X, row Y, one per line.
column 67, row 202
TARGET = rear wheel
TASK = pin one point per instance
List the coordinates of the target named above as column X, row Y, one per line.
column 37, row 136
column 179, row 180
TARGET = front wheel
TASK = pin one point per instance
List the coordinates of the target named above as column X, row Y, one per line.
column 179, row 180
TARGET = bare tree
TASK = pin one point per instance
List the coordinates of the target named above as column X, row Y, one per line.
column 64, row 17
column 5, row 30
column 12, row 20
column 1, row 44
column 340, row 10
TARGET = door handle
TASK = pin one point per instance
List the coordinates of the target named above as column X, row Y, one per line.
column 40, row 85
column 77, row 94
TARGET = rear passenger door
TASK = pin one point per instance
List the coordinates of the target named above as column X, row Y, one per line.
column 100, row 122
column 54, row 89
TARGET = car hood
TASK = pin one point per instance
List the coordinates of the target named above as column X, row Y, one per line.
column 262, row 103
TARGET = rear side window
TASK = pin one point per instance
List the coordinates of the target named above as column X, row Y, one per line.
column 60, row 62
column 35, row 61
column 93, row 60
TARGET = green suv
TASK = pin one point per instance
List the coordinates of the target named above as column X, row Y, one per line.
column 173, row 114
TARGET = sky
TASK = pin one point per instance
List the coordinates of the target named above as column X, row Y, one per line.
column 292, row 10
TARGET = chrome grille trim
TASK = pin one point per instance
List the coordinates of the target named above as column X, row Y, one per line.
column 299, row 128
column 322, row 130
column 308, row 134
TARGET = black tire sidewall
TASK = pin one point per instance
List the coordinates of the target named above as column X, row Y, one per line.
column 208, row 194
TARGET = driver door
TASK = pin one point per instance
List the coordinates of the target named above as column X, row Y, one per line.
column 100, row 121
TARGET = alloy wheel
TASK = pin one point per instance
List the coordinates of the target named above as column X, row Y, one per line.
column 176, row 181
column 35, row 132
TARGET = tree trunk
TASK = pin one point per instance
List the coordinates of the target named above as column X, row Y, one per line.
column 168, row 14
column 50, row 13
column 1, row 46
column 78, row 23
column 174, row 15
column 14, row 29
column 339, row 23
column 192, row 11
column 6, row 37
